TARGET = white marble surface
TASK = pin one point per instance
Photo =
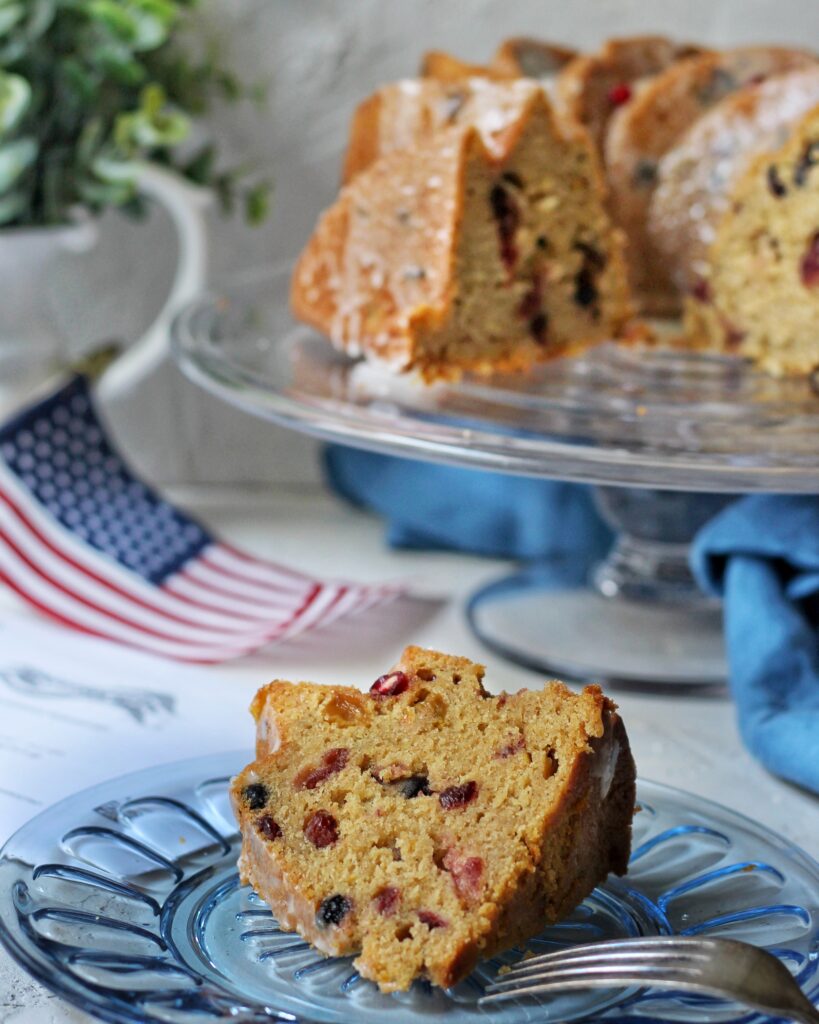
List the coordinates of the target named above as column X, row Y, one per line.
column 686, row 741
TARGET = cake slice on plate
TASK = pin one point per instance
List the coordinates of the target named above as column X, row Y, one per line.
column 428, row 824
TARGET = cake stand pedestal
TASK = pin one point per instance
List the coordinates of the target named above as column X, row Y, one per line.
column 667, row 439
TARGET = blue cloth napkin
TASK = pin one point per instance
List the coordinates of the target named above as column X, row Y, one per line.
column 441, row 507
column 761, row 554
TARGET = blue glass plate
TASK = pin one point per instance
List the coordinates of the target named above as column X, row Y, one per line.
column 124, row 900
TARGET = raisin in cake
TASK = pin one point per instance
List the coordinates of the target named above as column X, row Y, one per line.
column 760, row 295
column 694, row 178
column 428, row 824
column 649, row 125
column 469, row 252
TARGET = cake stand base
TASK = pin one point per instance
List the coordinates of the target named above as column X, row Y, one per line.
column 639, row 620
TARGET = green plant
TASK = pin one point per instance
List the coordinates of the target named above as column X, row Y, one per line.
column 90, row 87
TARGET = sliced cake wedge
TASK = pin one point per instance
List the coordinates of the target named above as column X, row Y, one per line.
column 472, row 250
column 428, row 824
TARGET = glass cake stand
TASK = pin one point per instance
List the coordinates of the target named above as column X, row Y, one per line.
column 666, row 438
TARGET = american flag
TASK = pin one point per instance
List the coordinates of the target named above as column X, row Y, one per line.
column 86, row 542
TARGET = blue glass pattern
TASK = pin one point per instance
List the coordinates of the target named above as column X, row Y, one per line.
column 143, row 918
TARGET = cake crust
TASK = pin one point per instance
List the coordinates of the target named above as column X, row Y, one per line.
column 464, row 823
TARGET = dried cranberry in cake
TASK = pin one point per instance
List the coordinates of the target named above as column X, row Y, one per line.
column 255, row 795
column 467, row 874
column 809, row 266
column 379, row 864
column 321, row 828
column 331, row 763
column 507, row 216
column 455, row 797
column 701, row 290
column 514, row 746
column 267, row 827
column 390, row 685
column 333, row 910
column 808, row 159
column 387, row 900
column 619, row 94
column 431, row 920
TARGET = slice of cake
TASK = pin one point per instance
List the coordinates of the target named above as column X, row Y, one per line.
column 695, row 178
column 760, row 294
column 427, row 824
column 594, row 85
column 642, row 131
column 469, row 252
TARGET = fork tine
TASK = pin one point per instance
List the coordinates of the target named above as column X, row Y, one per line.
column 679, row 943
column 599, row 970
column 637, row 958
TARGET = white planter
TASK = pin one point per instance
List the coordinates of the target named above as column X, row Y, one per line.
column 31, row 342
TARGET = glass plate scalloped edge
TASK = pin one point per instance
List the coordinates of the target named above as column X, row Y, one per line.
column 124, row 900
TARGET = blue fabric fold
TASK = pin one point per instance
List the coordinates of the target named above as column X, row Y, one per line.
column 761, row 554
column 430, row 506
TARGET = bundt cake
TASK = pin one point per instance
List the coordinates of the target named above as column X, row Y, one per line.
column 694, row 178
column 644, row 129
column 473, row 251
column 405, row 114
column 428, row 824
column 520, row 57
column 592, row 86
column 760, row 294
column 523, row 57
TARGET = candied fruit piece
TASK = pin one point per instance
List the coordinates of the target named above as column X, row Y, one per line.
column 268, row 827
column 343, row 708
column 619, row 94
column 255, row 795
column 331, row 763
column 431, row 920
column 455, row 797
column 390, row 685
column 386, row 900
column 333, row 910
column 321, row 828
column 467, row 875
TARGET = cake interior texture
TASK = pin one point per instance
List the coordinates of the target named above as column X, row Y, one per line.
column 428, row 824
column 760, row 293
column 456, row 256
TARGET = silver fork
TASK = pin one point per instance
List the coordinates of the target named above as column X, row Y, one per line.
column 715, row 967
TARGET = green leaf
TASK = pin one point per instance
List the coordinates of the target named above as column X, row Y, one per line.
column 111, row 170
column 15, row 157
column 257, row 204
column 11, row 14
column 15, row 96
column 115, row 17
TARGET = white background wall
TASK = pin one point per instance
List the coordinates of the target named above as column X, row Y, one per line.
column 320, row 57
